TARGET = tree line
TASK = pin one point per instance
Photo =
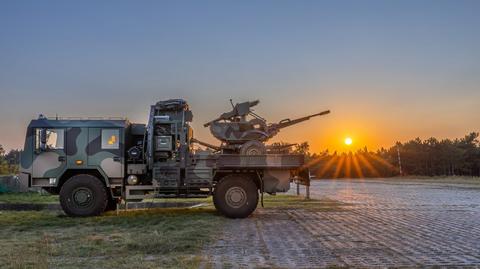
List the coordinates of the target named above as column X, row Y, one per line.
column 9, row 161
column 430, row 157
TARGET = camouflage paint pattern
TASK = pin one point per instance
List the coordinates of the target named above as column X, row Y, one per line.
column 278, row 169
column 276, row 180
column 200, row 173
column 235, row 128
column 47, row 164
column 104, row 158
column 81, row 150
column 237, row 132
column 260, row 161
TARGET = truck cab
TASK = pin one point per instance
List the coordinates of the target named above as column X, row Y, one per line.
column 56, row 149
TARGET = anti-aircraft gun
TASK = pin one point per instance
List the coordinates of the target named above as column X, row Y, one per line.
column 247, row 135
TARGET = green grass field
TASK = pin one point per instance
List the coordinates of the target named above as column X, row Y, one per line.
column 144, row 238
column 422, row 179
column 28, row 197
column 167, row 238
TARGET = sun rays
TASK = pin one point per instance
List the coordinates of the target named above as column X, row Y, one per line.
column 349, row 165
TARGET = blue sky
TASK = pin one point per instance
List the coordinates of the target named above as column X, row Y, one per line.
column 388, row 70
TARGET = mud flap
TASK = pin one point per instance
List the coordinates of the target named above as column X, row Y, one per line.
column 303, row 178
column 262, row 188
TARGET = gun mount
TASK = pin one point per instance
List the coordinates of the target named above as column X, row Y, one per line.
column 246, row 135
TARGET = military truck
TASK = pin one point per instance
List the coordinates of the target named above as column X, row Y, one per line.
column 94, row 164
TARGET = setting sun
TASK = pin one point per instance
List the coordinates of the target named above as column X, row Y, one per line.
column 348, row 141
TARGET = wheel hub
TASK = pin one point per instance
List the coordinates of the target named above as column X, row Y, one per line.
column 253, row 151
column 82, row 197
column 236, row 197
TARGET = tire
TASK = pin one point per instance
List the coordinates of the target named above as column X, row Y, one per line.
column 236, row 196
column 83, row 195
column 253, row 147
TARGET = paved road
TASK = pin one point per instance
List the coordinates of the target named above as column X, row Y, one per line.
column 385, row 224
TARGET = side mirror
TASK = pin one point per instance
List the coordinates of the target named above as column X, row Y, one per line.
column 41, row 144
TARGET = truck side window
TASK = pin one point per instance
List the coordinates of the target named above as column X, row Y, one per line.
column 110, row 139
column 54, row 139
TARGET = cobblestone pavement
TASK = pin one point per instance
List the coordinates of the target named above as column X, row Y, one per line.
column 385, row 224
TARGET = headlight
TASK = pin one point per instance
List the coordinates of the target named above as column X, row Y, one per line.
column 132, row 180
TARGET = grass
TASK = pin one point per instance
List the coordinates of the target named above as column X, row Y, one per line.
column 451, row 179
column 38, row 198
column 28, row 197
column 284, row 201
column 154, row 238
column 461, row 180
column 169, row 238
column 421, row 179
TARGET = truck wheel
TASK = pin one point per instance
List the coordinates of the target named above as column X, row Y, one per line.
column 83, row 195
column 236, row 196
column 253, row 147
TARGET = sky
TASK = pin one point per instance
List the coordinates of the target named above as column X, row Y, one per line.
column 388, row 70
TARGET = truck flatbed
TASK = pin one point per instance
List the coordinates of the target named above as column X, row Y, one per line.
column 270, row 161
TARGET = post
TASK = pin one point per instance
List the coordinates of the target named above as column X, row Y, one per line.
column 307, row 186
column 399, row 161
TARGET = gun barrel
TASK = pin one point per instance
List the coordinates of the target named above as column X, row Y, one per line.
column 320, row 114
column 288, row 122
column 210, row 122
column 194, row 140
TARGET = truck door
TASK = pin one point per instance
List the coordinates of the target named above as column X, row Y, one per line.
column 105, row 150
column 76, row 144
column 49, row 155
